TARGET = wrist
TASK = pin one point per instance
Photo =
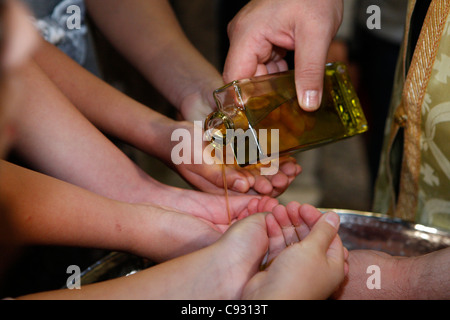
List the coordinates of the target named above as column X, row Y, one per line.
column 152, row 135
column 197, row 106
column 428, row 276
column 170, row 135
column 137, row 230
column 196, row 100
column 404, row 280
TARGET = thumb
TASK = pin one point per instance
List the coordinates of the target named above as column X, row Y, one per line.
column 310, row 57
column 324, row 231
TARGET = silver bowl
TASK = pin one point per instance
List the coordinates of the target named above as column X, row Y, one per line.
column 358, row 230
column 366, row 230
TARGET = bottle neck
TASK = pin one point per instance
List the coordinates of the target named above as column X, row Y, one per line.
column 216, row 126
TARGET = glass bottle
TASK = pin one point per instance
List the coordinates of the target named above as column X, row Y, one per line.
column 261, row 118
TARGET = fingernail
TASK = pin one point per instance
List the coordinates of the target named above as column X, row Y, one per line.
column 240, row 186
column 332, row 218
column 310, row 100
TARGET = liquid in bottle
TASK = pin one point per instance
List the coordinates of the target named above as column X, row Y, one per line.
column 261, row 118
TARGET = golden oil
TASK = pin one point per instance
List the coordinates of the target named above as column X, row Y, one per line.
column 261, row 118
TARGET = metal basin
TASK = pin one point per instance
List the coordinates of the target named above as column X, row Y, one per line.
column 358, row 230
column 365, row 230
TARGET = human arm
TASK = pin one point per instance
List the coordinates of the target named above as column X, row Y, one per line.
column 236, row 256
column 47, row 211
column 54, row 138
column 423, row 277
column 258, row 47
column 122, row 117
column 160, row 50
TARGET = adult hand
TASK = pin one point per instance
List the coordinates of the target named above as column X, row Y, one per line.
column 262, row 32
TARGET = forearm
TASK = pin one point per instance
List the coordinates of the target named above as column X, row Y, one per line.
column 47, row 211
column 107, row 108
column 158, row 46
column 419, row 277
column 55, row 138
column 161, row 282
column 430, row 278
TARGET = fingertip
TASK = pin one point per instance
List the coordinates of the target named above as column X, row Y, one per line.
column 240, row 185
column 296, row 220
column 333, row 219
column 293, row 205
column 309, row 214
column 273, row 228
column 280, row 181
column 282, row 65
column 324, row 235
column 298, row 169
column 292, row 210
column 280, row 214
column 236, row 180
column 250, row 178
column 262, row 185
column 309, row 73
column 268, row 204
column 310, row 100
column 289, row 168
column 279, row 208
column 253, row 206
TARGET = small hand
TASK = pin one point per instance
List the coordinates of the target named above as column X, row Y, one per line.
column 209, row 177
column 202, row 223
column 306, row 257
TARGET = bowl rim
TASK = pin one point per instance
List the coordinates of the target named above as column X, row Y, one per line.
column 386, row 218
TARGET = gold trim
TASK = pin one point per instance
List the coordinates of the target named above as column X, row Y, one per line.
column 413, row 95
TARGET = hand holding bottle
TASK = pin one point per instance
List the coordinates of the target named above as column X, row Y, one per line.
column 263, row 31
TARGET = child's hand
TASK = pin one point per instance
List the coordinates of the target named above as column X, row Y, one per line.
column 306, row 258
column 208, row 177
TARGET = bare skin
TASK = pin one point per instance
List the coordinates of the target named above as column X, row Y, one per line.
column 416, row 278
column 237, row 257
column 56, row 105
column 47, row 211
column 258, row 47
column 305, row 247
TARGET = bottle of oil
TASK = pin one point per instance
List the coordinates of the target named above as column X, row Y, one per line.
column 261, row 118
